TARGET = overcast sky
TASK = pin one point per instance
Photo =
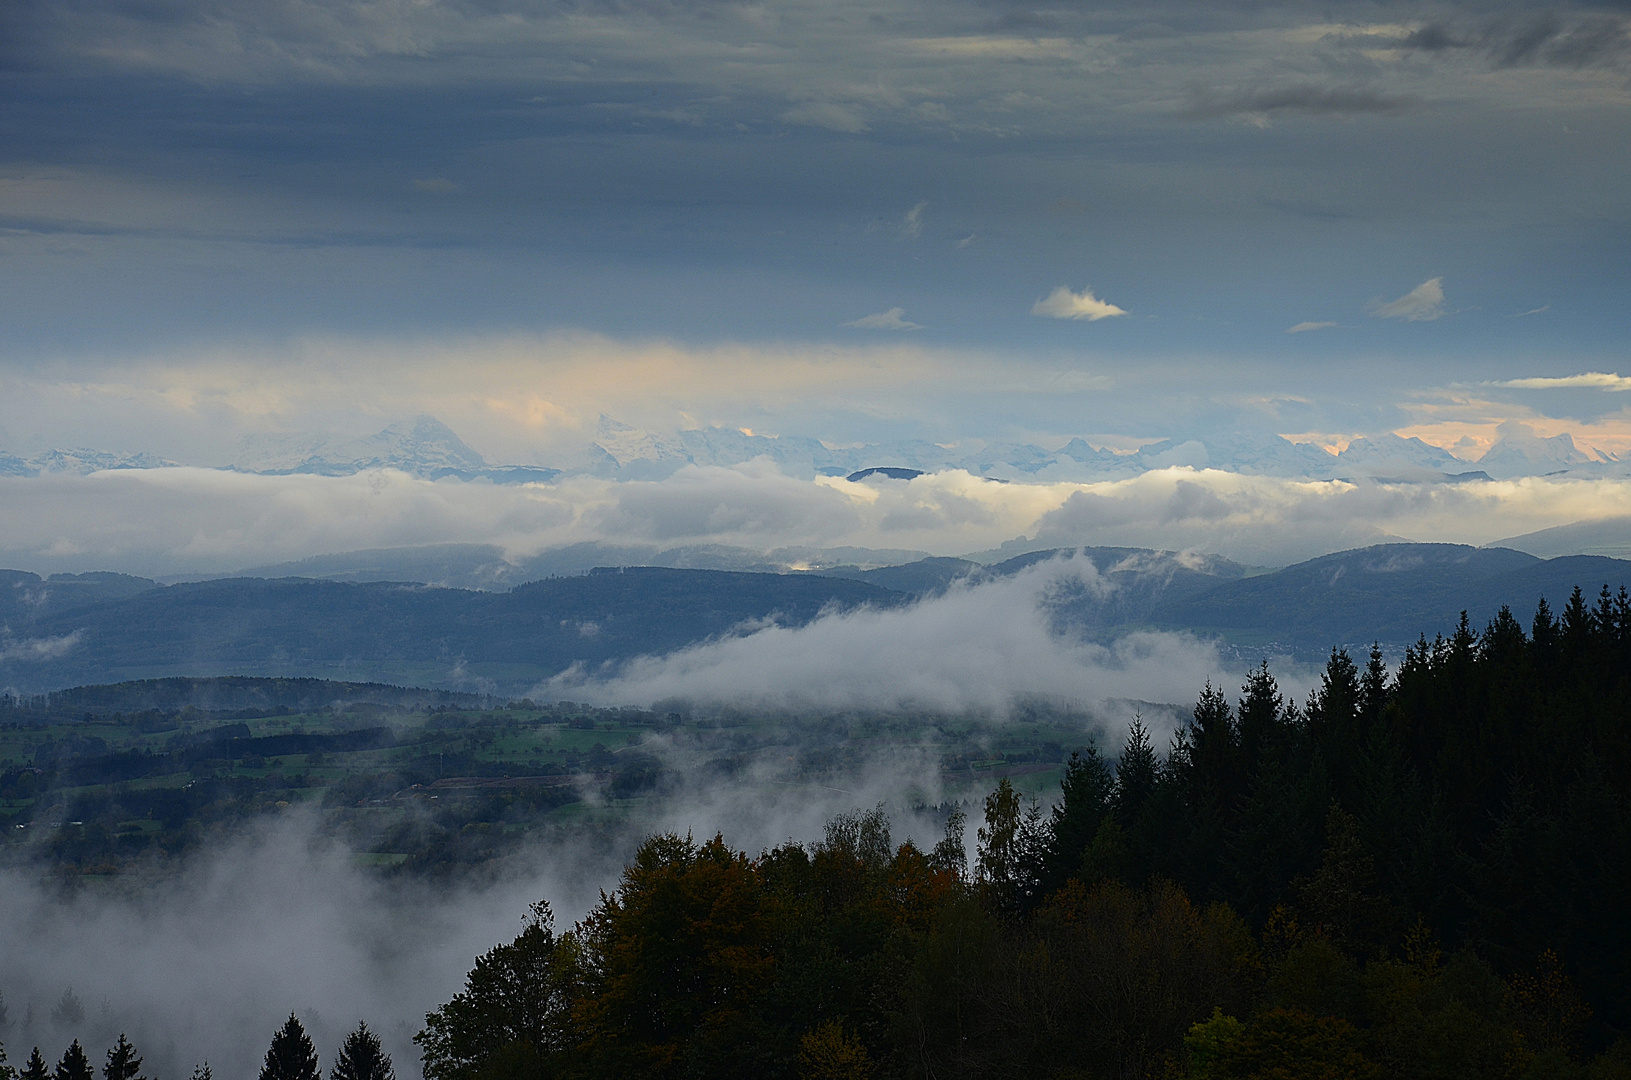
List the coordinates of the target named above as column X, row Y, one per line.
column 846, row 219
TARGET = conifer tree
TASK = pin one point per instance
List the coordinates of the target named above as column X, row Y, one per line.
column 68, row 1010
column 74, row 1065
column 291, row 1055
column 36, row 1068
column 6, row 1071
column 1543, row 630
column 202, row 1072
column 1262, row 715
column 1085, row 798
column 361, row 1057
column 1373, row 688
column 1136, row 773
column 951, row 853
column 1208, row 747
column 123, row 1064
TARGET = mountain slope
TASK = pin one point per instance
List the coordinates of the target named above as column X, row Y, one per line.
column 409, row 633
column 1390, row 592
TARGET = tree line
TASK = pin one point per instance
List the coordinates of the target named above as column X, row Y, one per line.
column 291, row 1056
column 1410, row 874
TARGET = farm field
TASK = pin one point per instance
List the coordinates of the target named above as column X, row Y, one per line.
column 420, row 789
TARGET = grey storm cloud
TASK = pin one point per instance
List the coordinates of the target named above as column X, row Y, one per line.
column 1304, row 98
column 720, row 172
column 1551, row 37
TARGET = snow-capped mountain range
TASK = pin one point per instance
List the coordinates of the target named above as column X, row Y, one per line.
column 427, row 448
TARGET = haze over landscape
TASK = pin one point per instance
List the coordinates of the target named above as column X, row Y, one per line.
column 446, row 444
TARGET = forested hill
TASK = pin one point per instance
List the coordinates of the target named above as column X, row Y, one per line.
column 410, row 634
column 99, row 628
column 1413, row 877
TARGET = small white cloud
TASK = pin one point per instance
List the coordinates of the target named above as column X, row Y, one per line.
column 50, row 648
column 436, row 185
column 1424, row 303
column 826, row 115
column 884, row 320
column 1531, row 311
column 1305, row 327
column 912, row 223
column 1589, row 380
column 966, row 241
column 1061, row 303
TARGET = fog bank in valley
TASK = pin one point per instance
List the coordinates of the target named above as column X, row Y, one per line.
column 985, row 649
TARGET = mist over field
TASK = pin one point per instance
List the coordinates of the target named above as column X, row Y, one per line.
column 201, row 959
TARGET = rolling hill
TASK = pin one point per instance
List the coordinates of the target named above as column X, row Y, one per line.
column 100, row 628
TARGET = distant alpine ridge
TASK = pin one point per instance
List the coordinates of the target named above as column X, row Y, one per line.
column 427, row 448
column 78, row 629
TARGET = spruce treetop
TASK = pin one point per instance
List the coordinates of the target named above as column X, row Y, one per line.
column 291, row 1055
column 361, row 1057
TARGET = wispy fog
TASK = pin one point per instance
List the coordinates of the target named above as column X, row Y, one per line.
column 984, row 649
column 203, row 962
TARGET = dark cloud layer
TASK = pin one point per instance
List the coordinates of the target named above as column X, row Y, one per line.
column 1547, row 37
column 182, row 176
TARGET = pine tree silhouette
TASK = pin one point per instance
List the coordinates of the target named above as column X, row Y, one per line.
column 36, row 1068
column 123, row 1063
column 74, row 1064
column 291, row 1055
column 361, row 1057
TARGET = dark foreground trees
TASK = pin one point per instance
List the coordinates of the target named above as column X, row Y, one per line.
column 361, row 1057
column 74, row 1064
column 1410, row 877
column 291, row 1055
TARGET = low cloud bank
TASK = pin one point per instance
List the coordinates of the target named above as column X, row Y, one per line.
column 985, row 649
column 190, row 520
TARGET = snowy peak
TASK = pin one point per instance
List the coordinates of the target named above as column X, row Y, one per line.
column 423, row 447
column 1518, row 451
column 1391, row 455
column 77, row 462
